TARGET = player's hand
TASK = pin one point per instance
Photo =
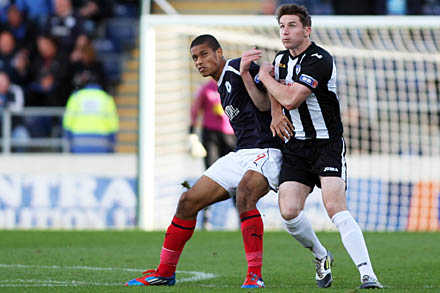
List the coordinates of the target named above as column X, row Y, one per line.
column 282, row 127
column 196, row 148
column 247, row 57
column 266, row 70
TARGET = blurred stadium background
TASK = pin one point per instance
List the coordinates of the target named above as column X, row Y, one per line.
column 388, row 84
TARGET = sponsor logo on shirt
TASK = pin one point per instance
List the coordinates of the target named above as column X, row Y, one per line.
column 317, row 55
column 308, row 80
column 330, row 169
column 231, row 112
column 282, row 65
column 228, row 87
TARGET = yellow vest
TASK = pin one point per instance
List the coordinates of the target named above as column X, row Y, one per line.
column 91, row 111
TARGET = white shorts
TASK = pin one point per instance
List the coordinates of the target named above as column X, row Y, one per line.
column 228, row 170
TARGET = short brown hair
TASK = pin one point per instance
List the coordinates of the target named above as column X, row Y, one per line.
column 293, row 9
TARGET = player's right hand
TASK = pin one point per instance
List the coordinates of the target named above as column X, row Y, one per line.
column 282, row 127
column 248, row 57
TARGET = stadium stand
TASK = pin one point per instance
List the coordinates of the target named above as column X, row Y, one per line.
column 127, row 101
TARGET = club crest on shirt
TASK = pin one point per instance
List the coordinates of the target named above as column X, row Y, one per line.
column 257, row 79
column 297, row 69
column 308, row 80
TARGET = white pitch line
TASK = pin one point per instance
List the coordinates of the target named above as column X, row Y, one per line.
column 196, row 276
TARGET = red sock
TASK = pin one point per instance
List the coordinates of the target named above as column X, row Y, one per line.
column 252, row 230
column 178, row 233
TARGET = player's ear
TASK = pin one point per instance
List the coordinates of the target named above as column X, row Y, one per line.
column 219, row 52
column 307, row 31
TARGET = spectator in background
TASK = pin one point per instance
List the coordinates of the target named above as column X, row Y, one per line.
column 24, row 31
column 68, row 27
column 11, row 98
column 4, row 4
column 88, row 69
column 12, row 61
column 49, row 75
column 49, row 86
column 268, row 7
column 91, row 121
column 93, row 12
column 35, row 10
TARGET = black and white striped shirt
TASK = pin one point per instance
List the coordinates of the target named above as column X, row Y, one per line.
column 319, row 115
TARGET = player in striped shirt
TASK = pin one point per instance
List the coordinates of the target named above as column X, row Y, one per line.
column 304, row 83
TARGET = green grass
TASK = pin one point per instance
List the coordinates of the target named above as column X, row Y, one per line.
column 46, row 261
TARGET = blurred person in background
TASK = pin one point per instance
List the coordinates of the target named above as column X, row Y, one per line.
column 67, row 26
column 91, row 121
column 12, row 60
column 49, row 75
column 4, row 4
column 49, row 86
column 93, row 12
column 12, row 99
column 23, row 30
column 88, row 68
column 36, row 10
column 268, row 7
column 218, row 137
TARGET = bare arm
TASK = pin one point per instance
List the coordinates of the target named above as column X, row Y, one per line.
column 290, row 97
column 280, row 125
column 259, row 98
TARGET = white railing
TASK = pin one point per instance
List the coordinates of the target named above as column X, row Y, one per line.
column 7, row 142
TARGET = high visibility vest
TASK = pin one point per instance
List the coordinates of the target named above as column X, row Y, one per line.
column 91, row 121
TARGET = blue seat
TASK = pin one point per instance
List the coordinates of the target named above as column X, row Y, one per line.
column 103, row 46
column 125, row 10
column 112, row 63
column 122, row 32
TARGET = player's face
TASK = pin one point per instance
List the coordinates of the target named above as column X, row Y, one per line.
column 206, row 60
column 292, row 32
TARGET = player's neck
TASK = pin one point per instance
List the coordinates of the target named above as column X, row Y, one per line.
column 301, row 48
column 217, row 75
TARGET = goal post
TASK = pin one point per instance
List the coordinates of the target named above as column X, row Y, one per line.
column 389, row 90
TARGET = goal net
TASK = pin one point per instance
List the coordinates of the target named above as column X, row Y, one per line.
column 389, row 90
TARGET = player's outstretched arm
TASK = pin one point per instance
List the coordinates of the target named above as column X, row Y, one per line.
column 259, row 97
column 280, row 124
column 291, row 96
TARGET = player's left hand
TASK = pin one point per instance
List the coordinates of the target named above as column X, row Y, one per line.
column 265, row 70
column 282, row 127
column 248, row 57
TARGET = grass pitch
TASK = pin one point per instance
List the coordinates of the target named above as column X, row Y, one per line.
column 46, row 261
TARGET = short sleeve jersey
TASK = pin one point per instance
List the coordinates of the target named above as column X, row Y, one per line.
column 251, row 126
column 319, row 115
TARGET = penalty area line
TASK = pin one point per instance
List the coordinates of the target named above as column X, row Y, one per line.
column 190, row 276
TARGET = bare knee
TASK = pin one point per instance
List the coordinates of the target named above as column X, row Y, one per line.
column 334, row 206
column 333, row 195
column 290, row 212
column 291, row 199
